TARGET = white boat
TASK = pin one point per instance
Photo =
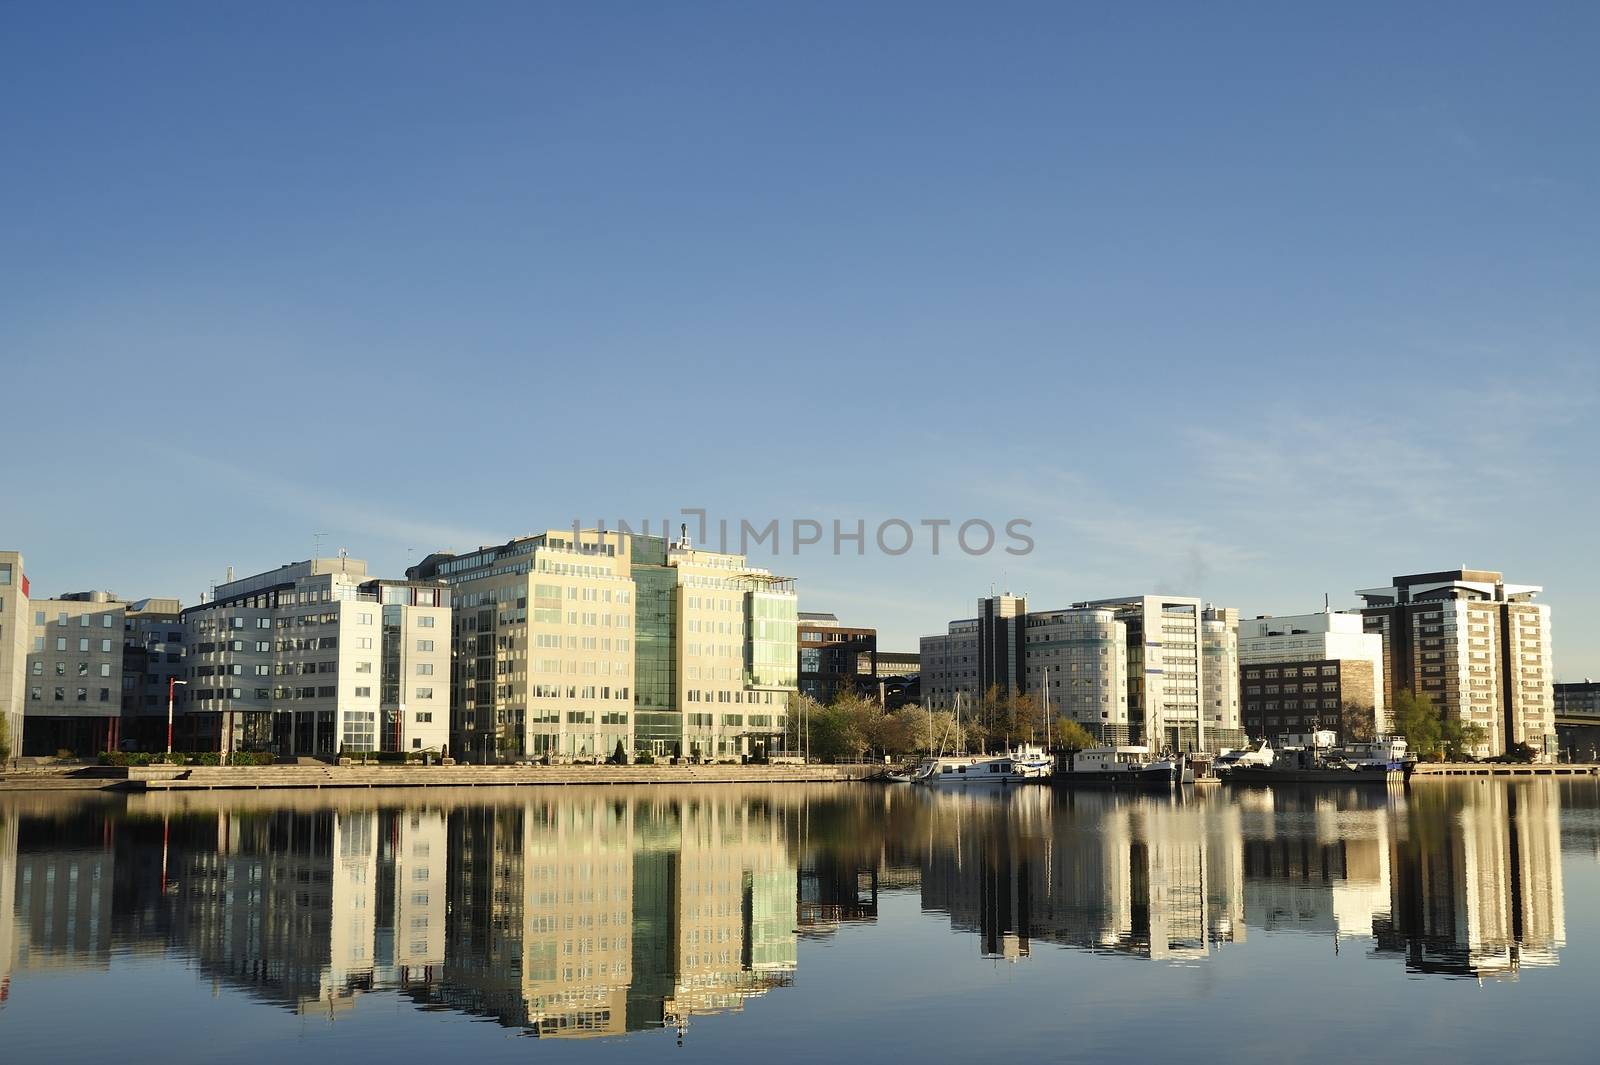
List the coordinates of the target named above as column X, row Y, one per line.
column 974, row 770
column 1031, row 761
column 1123, row 766
column 1245, row 757
column 1387, row 752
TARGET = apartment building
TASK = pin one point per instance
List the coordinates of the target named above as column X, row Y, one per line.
column 1480, row 647
column 16, row 635
column 313, row 658
column 1311, row 671
column 573, row 642
column 75, row 674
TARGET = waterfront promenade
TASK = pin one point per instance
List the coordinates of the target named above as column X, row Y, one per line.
column 320, row 776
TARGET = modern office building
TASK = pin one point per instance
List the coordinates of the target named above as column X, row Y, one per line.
column 313, row 658
column 16, row 636
column 1578, row 720
column 976, row 654
column 950, row 666
column 831, row 655
column 1311, row 671
column 1220, row 706
column 1167, row 641
column 1478, row 646
column 1171, row 680
column 152, row 657
column 571, row 643
column 75, row 674
column 1080, row 657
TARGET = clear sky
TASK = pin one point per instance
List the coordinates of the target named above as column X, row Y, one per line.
column 1248, row 301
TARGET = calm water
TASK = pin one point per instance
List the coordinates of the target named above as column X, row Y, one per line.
column 775, row 924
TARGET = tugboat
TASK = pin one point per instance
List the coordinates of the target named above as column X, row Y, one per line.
column 1125, row 766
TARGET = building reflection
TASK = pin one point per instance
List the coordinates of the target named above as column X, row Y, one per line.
column 594, row 912
column 1454, row 881
column 1476, row 887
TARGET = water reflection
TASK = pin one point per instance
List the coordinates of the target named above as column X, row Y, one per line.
column 593, row 912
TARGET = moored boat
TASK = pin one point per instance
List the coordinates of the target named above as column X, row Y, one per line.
column 1124, row 766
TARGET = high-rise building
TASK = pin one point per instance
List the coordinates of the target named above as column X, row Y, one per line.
column 572, row 642
column 1479, row 647
column 313, row 658
column 15, row 636
column 1311, row 671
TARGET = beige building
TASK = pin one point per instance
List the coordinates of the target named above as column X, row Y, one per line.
column 571, row 643
column 75, row 674
column 314, row 658
column 1478, row 646
column 15, row 638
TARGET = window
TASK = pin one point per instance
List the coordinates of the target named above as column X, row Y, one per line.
column 424, row 717
column 83, row 695
column 105, row 669
column 424, row 645
column 105, row 646
column 363, row 667
column 61, row 643
column 83, row 645
column 363, row 693
column 364, row 619
column 5, row 573
column 424, row 669
column 424, row 693
column 35, row 693
column 38, row 669
column 425, row 623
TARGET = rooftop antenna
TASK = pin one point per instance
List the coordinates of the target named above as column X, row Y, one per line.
column 1325, row 607
column 343, row 554
column 316, row 544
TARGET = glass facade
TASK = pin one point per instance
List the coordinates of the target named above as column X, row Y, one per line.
column 770, row 647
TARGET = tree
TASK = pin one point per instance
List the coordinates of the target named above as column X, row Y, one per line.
column 1461, row 739
column 1417, row 720
column 5, row 738
column 619, row 756
column 1356, row 723
column 1071, row 736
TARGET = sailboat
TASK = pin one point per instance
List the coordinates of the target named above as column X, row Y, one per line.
column 1016, row 766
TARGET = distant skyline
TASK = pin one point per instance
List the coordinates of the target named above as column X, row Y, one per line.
column 1254, row 303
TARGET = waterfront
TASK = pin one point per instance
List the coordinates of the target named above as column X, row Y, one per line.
column 796, row 922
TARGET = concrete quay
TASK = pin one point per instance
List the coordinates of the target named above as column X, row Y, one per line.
column 318, row 777
column 1444, row 770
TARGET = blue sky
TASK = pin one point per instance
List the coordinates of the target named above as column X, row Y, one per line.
column 1251, row 301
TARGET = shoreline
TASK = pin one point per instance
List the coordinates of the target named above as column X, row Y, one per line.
column 98, row 779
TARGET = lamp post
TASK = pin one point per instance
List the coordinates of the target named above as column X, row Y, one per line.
column 172, row 687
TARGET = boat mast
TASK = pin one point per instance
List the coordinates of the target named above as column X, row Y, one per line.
column 1047, row 709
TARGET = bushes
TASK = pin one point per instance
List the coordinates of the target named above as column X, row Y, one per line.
column 143, row 758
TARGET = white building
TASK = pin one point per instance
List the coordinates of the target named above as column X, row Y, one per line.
column 313, row 658
column 1322, row 637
